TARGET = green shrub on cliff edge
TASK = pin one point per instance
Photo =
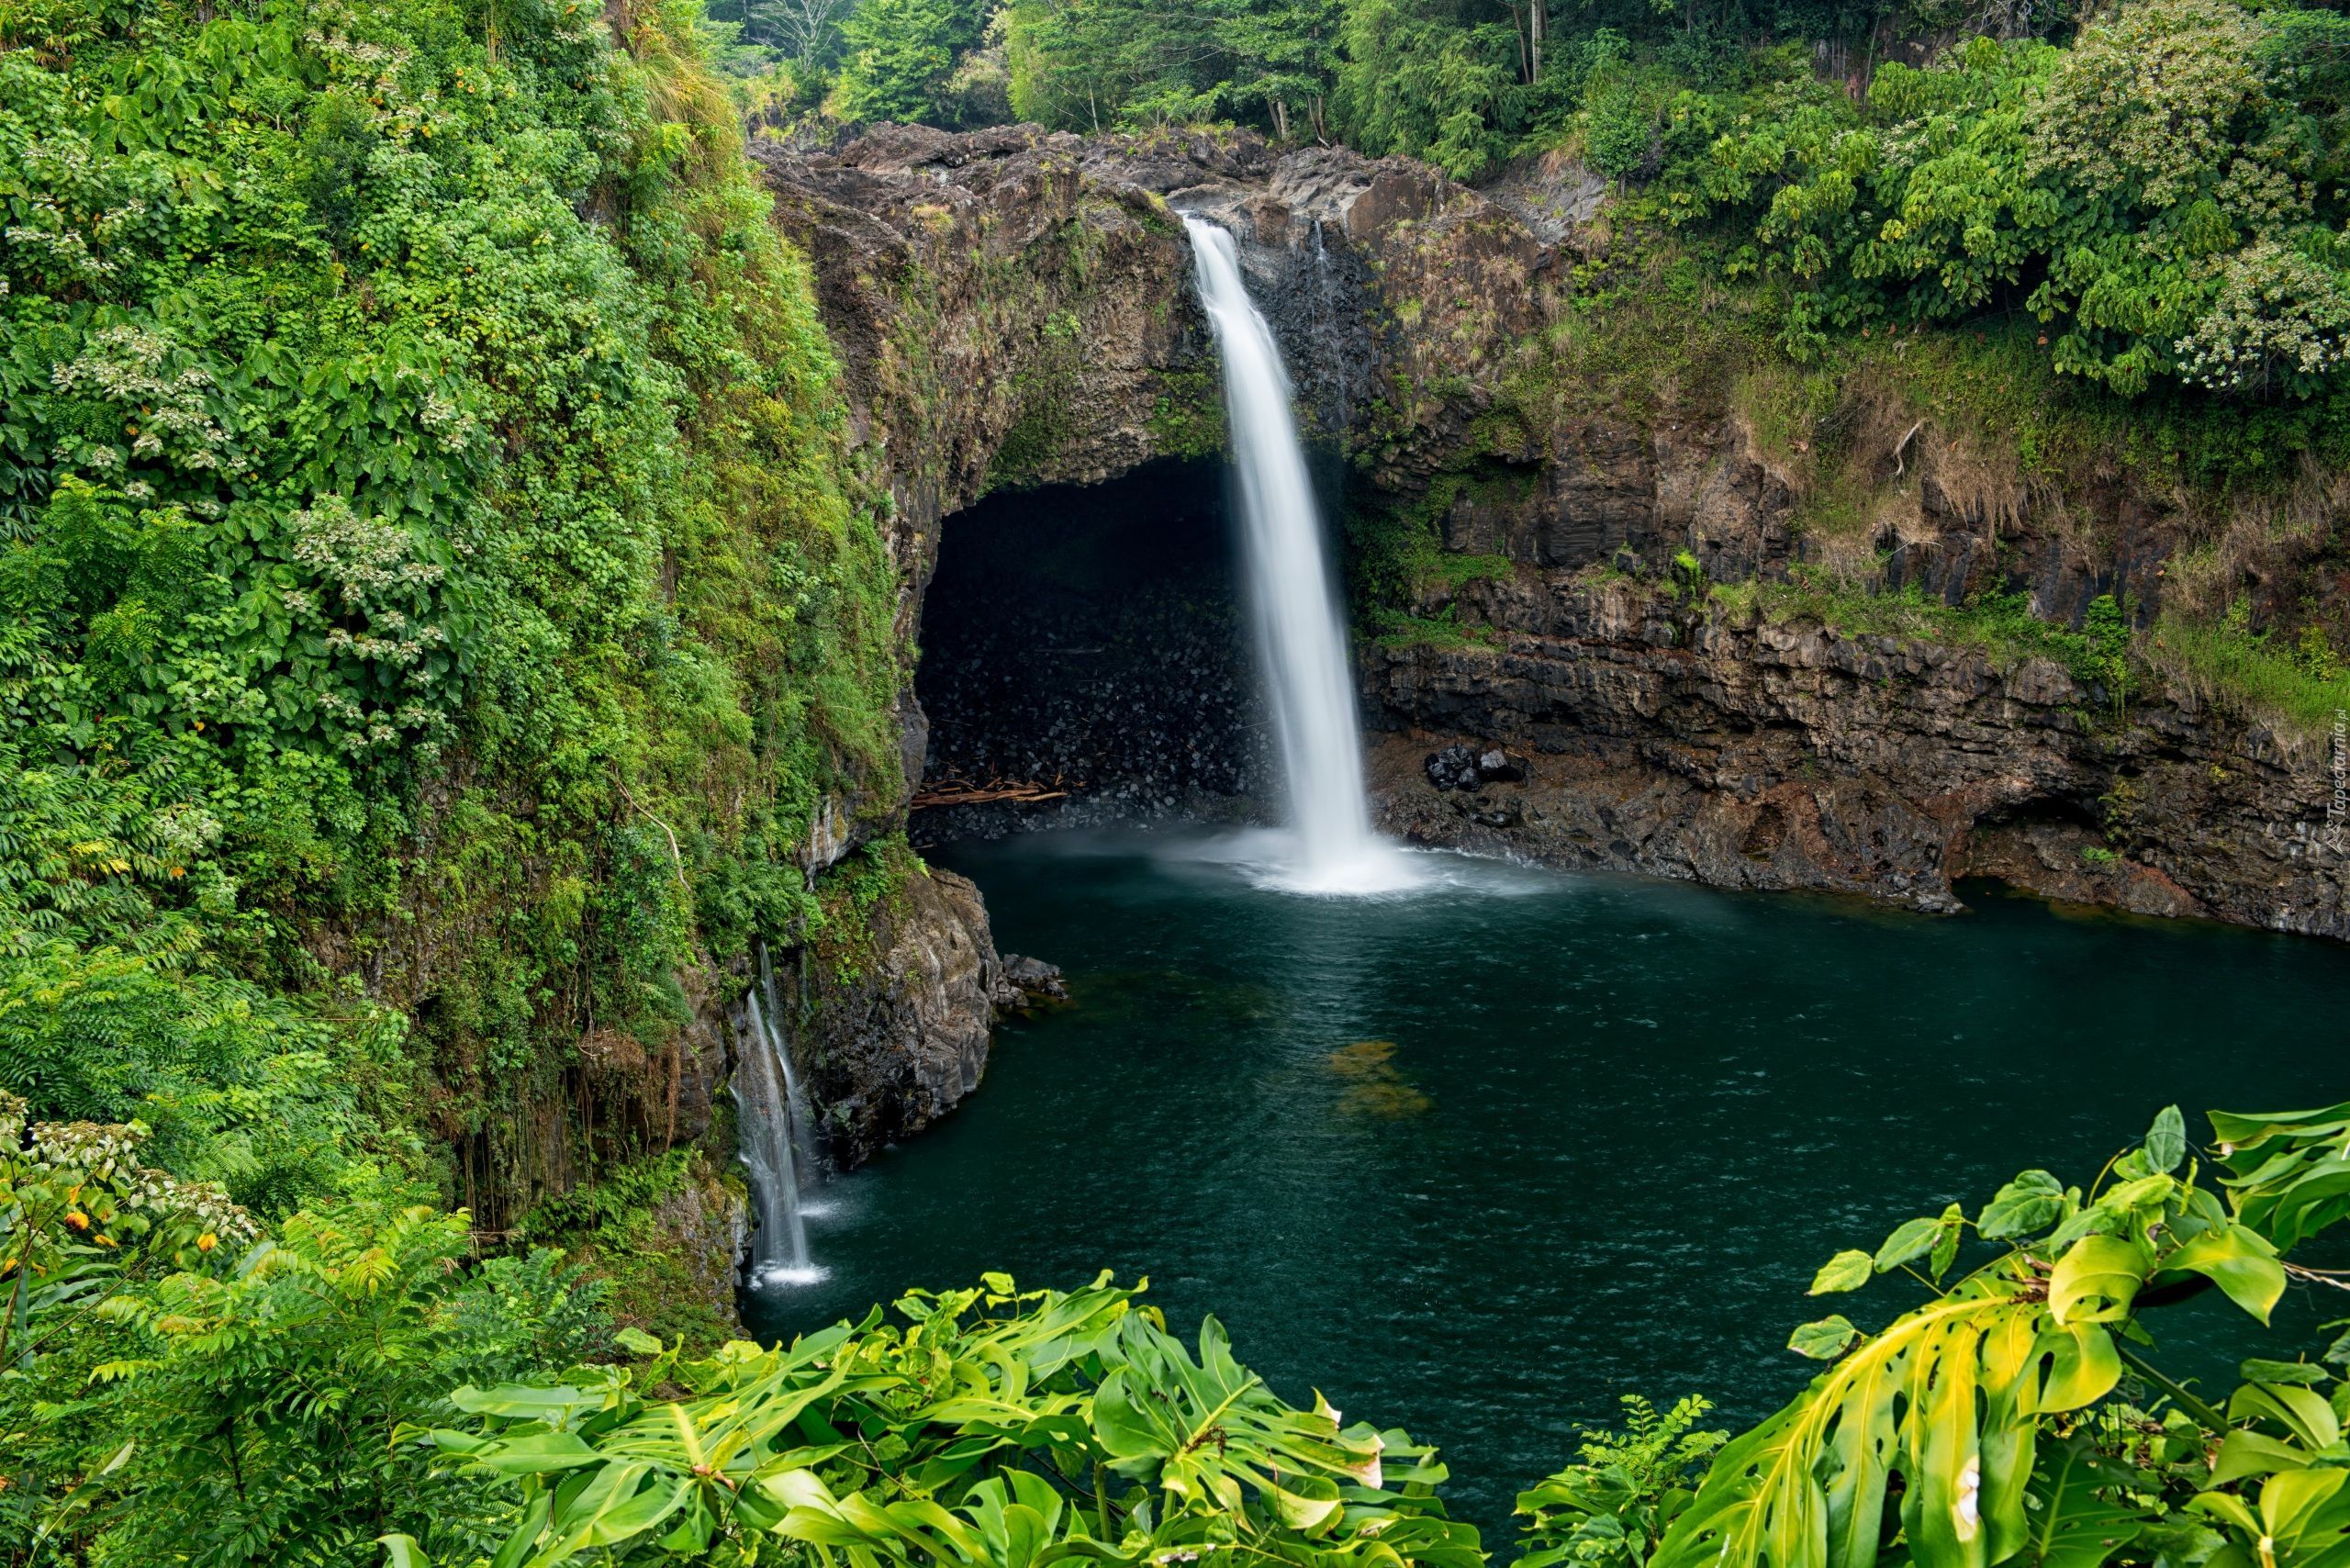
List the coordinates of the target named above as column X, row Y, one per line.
column 425, row 567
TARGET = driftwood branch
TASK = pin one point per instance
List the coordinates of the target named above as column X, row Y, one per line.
column 963, row 792
column 1899, row 465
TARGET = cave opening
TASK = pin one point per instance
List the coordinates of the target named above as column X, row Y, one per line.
column 1085, row 659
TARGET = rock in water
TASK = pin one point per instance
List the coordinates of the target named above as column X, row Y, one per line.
column 1035, row 980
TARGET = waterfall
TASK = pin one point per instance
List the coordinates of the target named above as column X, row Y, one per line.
column 803, row 1144
column 1299, row 640
column 764, row 1098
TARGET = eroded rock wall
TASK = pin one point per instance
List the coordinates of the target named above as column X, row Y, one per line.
column 1676, row 740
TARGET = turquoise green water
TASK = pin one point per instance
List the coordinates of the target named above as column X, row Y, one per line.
column 1606, row 1131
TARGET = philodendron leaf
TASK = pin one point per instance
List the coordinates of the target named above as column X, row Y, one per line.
column 2081, row 1366
column 2030, row 1204
column 2096, row 1279
column 1824, row 1340
column 2239, row 1261
column 2166, row 1140
column 1848, row 1271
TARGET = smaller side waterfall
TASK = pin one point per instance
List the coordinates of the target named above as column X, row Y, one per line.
column 763, row 1098
column 803, row 1142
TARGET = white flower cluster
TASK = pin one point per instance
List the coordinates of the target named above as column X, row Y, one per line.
column 106, row 1153
column 2276, row 315
column 167, row 412
column 358, row 555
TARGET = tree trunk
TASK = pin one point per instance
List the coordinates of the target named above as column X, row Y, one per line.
column 1538, row 17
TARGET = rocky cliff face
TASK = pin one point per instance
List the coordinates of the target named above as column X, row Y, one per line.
column 1016, row 308
column 1679, row 741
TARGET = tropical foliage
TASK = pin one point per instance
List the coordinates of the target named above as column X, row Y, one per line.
column 2163, row 194
column 176, row 1385
column 2009, row 1417
column 997, row 1427
column 427, row 571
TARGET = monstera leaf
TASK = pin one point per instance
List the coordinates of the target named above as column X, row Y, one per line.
column 1948, row 1398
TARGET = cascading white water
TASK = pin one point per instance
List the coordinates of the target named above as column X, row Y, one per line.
column 764, row 1101
column 803, row 1143
column 1291, row 598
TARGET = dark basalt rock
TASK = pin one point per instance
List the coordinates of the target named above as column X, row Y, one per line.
column 1454, row 768
column 1033, row 981
column 1745, row 754
column 1460, row 766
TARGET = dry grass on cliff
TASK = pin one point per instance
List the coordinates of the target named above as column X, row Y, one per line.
column 2256, row 540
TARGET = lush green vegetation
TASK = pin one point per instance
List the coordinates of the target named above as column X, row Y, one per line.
column 432, row 598
column 434, row 603
column 177, row 1387
column 2158, row 187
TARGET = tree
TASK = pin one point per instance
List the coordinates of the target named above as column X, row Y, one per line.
column 902, row 56
column 1416, row 79
column 801, row 28
column 1283, row 57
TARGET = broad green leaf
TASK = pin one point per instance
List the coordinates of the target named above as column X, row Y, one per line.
column 1848, row 1271
column 2246, row 1454
column 1910, row 1240
column 2239, row 1261
column 2096, row 1279
column 2030, row 1204
column 2167, row 1139
column 1945, row 1252
column 2302, row 1412
column 2305, row 1374
column 2081, row 1366
column 2071, row 1524
column 2299, row 1520
column 402, row 1551
column 538, row 1453
column 1823, row 1340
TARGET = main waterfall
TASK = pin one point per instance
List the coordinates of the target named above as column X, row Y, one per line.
column 1299, row 640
